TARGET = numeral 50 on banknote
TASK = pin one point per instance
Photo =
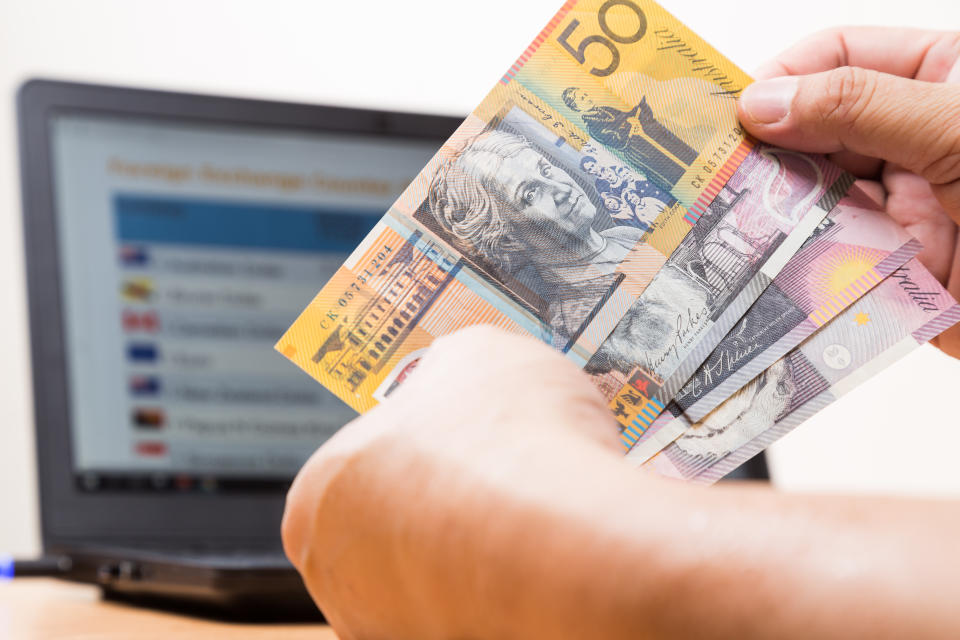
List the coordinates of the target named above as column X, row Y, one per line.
column 579, row 53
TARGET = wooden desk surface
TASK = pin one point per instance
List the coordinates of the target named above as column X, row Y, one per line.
column 44, row 609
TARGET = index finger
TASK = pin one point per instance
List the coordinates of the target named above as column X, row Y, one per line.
column 909, row 53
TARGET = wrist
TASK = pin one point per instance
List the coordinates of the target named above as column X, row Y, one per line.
column 577, row 547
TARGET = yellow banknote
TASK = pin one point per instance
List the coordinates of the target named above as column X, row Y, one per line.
column 550, row 209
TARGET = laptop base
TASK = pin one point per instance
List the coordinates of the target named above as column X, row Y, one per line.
column 243, row 588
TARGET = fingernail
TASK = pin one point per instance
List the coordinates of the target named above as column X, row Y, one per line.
column 768, row 101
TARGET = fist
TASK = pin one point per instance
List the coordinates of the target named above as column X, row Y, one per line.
column 437, row 501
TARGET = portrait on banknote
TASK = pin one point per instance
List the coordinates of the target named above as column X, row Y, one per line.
column 646, row 335
column 745, row 415
column 678, row 301
column 545, row 220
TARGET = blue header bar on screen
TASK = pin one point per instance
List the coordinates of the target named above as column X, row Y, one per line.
column 161, row 220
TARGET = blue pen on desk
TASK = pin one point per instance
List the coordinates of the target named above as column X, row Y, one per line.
column 50, row 566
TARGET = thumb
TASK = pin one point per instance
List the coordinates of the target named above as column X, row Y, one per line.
column 907, row 122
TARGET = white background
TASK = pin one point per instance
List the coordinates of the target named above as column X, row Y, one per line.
column 897, row 433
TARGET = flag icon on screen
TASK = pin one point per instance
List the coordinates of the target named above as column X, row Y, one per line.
column 137, row 289
column 148, row 418
column 151, row 449
column 144, row 385
column 142, row 352
column 140, row 321
column 134, row 256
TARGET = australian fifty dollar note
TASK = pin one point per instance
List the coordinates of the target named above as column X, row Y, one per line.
column 553, row 205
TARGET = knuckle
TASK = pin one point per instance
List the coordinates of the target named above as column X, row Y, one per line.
column 478, row 334
column 944, row 170
column 308, row 505
column 948, row 194
column 291, row 530
column 947, row 44
column 494, row 359
column 513, row 368
column 290, row 535
column 846, row 95
column 467, row 339
column 943, row 167
column 828, row 36
column 485, row 343
column 453, row 351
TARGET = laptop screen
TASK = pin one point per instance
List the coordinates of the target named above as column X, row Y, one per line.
column 186, row 250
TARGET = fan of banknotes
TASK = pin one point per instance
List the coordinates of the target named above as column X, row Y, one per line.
column 604, row 199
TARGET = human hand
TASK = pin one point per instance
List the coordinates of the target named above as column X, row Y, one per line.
column 483, row 500
column 489, row 499
column 885, row 104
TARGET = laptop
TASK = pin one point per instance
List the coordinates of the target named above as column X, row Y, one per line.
column 170, row 240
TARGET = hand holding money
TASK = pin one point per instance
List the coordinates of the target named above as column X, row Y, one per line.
column 885, row 104
column 492, row 502
column 604, row 200
column 620, row 214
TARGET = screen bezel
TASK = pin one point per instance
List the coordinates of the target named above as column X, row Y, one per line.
column 69, row 515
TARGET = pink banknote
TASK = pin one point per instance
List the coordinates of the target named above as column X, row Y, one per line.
column 855, row 248
column 901, row 313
